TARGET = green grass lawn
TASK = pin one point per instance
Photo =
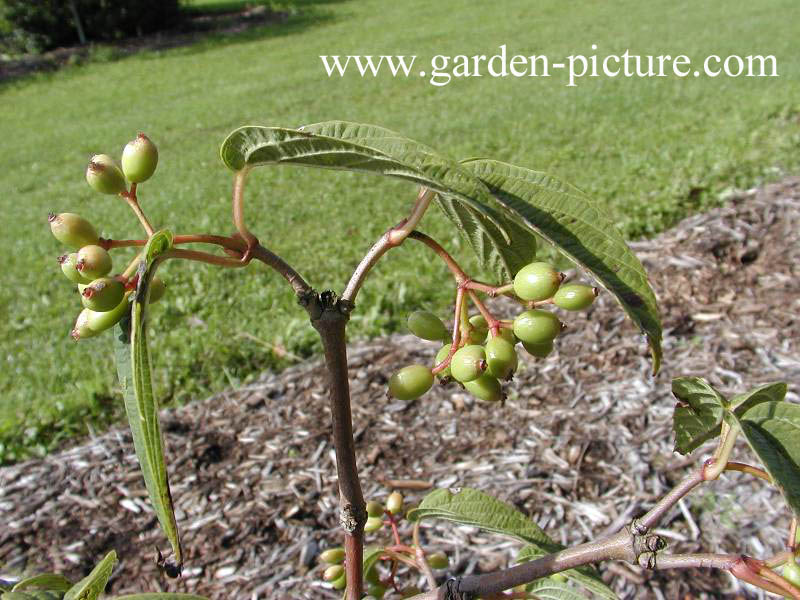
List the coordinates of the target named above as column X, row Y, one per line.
column 651, row 150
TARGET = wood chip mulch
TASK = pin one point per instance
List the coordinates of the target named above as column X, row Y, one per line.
column 583, row 443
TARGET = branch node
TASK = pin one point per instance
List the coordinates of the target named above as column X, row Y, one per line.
column 348, row 519
column 637, row 528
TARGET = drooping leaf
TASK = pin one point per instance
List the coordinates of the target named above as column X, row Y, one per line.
column 91, row 586
column 502, row 246
column 141, row 406
column 44, row 581
column 698, row 414
column 582, row 231
column 587, row 577
column 160, row 596
column 772, row 429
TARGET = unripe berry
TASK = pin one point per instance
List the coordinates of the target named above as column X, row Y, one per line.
column 480, row 328
column 501, row 358
column 68, row 264
column 574, row 296
column 104, row 176
column 539, row 350
column 100, row 321
column 536, row 281
column 374, row 509
column 443, row 353
column 139, row 159
column 394, row 503
column 333, row 572
column 373, row 524
column 427, row 326
column 508, row 335
column 333, row 556
column 372, row 576
column 103, row 294
column 409, row 383
column 93, row 262
column 485, row 388
column 157, row 289
column 340, row 583
column 468, row 363
column 72, row 230
column 536, row 326
column 438, row 560
column 81, row 329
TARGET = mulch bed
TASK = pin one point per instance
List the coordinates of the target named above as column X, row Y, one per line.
column 583, row 443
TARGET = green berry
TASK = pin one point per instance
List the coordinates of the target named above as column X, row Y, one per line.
column 333, row 572
column 508, row 335
column 157, row 289
column 536, row 326
column 409, row 383
column 373, row 524
column 536, row 281
column 480, row 328
column 427, row 326
column 374, row 509
column 485, row 388
column 81, row 328
column 372, row 576
column 438, row 560
column 68, row 264
column 72, row 230
column 100, row 321
column 340, row 583
column 468, row 363
column 103, row 294
column 443, row 353
column 332, row 556
column 376, row 590
column 791, row 572
column 539, row 350
column 104, row 176
column 501, row 358
column 93, row 262
column 394, row 503
column 574, row 296
column 139, row 159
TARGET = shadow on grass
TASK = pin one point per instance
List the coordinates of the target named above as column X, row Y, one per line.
column 206, row 26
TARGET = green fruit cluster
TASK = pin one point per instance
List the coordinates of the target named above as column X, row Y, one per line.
column 139, row 162
column 105, row 299
column 334, row 573
column 485, row 357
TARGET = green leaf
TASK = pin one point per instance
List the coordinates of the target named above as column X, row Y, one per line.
column 587, row 577
column 91, row 586
column 502, row 246
column 580, row 229
column 46, row 581
column 772, row 429
column 551, row 589
column 160, row 596
column 33, row 595
column 771, row 392
column 698, row 414
column 135, row 376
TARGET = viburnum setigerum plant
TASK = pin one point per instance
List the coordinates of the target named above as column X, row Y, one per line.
column 501, row 211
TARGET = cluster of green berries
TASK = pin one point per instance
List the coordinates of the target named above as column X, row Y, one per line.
column 378, row 515
column 487, row 356
column 104, row 297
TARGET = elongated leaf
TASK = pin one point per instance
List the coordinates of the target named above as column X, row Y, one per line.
column 501, row 245
column 135, row 376
column 91, row 586
column 771, row 392
column 33, row 595
column 698, row 414
column 473, row 507
column 551, row 589
column 44, row 581
column 587, row 577
column 772, row 429
column 160, row 596
column 580, row 229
